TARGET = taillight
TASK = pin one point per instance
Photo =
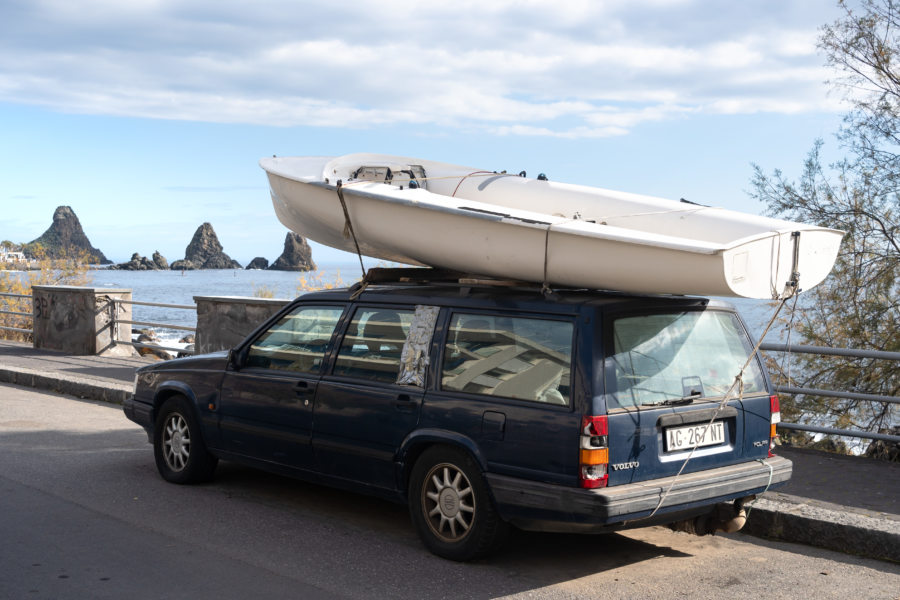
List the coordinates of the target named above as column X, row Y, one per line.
column 594, row 452
column 775, row 419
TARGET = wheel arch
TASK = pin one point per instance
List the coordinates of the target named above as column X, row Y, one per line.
column 170, row 389
column 419, row 441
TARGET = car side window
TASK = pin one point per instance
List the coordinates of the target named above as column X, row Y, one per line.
column 512, row 357
column 297, row 342
column 373, row 344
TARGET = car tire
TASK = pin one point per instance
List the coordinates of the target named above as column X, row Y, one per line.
column 178, row 447
column 451, row 508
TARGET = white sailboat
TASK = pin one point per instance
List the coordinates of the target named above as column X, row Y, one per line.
column 509, row 226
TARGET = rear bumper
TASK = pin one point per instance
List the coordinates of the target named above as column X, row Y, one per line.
column 548, row 507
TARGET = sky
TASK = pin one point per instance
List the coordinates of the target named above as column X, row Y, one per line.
column 148, row 117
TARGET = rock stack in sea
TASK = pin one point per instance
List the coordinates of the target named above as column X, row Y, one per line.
column 65, row 239
column 259, row 263
column 160, row 260
column 141, row 263
column 205, row 252
column 297, row 255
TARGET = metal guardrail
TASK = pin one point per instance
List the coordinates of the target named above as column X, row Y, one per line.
column 16, row 313
column 153, row 324
column 826, row 351
column 847, row 352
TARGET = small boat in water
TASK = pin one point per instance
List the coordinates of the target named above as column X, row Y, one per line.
column 508, row 226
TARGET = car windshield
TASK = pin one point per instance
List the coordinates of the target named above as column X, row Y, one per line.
column 678, row 357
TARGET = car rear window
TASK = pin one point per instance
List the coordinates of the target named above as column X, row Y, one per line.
column 522, row 358
column 659, row 358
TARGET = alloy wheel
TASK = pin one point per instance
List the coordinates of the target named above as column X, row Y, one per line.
column 448, row 502
column 176, row 442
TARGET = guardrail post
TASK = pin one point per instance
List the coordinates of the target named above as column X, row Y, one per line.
column 224, row 321
column 81, row 320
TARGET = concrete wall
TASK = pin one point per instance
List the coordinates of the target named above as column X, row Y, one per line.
column 224, row 321
column 79, row 320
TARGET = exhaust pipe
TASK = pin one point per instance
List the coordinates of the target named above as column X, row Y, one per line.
column 723, row 517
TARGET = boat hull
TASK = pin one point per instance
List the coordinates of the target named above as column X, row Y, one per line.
column 480, row 227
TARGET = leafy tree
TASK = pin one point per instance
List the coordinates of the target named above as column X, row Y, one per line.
column 858, row 306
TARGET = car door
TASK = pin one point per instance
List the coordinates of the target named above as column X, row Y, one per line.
column 362, row 412
column 267, row 402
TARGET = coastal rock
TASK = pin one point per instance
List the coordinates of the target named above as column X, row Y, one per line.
column 141, row 263
column 65, row 239
column 160, row 261
column 297, row 255
column 148, row 336
column 258, row 263
column 137, row 263
column 205, row 252
column 183, row 265
column 190, row 340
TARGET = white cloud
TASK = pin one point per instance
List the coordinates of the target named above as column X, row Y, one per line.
column 572, row 68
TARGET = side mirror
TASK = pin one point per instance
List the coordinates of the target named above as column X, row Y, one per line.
column 234, row 359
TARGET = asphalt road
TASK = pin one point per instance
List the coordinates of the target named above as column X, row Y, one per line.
column 83, row 514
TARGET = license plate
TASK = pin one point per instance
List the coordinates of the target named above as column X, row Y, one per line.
column 685, row 438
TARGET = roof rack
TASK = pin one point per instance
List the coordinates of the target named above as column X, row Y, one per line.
column 436, row 275
column 429, row 275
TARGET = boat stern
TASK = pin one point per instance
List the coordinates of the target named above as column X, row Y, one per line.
column 762, row 267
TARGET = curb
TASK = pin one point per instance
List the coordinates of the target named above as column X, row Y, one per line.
column 845, row 529
column 82, row 387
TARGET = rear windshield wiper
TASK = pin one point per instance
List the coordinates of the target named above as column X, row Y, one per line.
column 675, row 401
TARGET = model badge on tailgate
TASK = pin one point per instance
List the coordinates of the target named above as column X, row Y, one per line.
column 628, row 465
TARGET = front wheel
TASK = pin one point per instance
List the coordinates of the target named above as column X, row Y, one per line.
column 450, row 506
column 181, row 456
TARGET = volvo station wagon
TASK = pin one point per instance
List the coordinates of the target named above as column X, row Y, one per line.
column 484, row 407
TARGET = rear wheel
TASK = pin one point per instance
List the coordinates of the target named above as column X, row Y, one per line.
column 451, row 508
column 181, row 456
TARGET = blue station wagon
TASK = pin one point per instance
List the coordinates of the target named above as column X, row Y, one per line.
column 482, row 406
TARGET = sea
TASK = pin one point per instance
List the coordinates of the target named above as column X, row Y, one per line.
column 180, row 287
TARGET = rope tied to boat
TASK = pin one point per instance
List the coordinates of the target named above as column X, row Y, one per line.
column 768, row 484
column 348, row 225
column 545, row 287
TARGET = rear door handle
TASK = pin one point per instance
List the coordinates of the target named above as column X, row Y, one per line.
column 405, row 403
column 304, row 388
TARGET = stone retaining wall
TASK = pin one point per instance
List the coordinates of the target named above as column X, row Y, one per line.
column 79, row 320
